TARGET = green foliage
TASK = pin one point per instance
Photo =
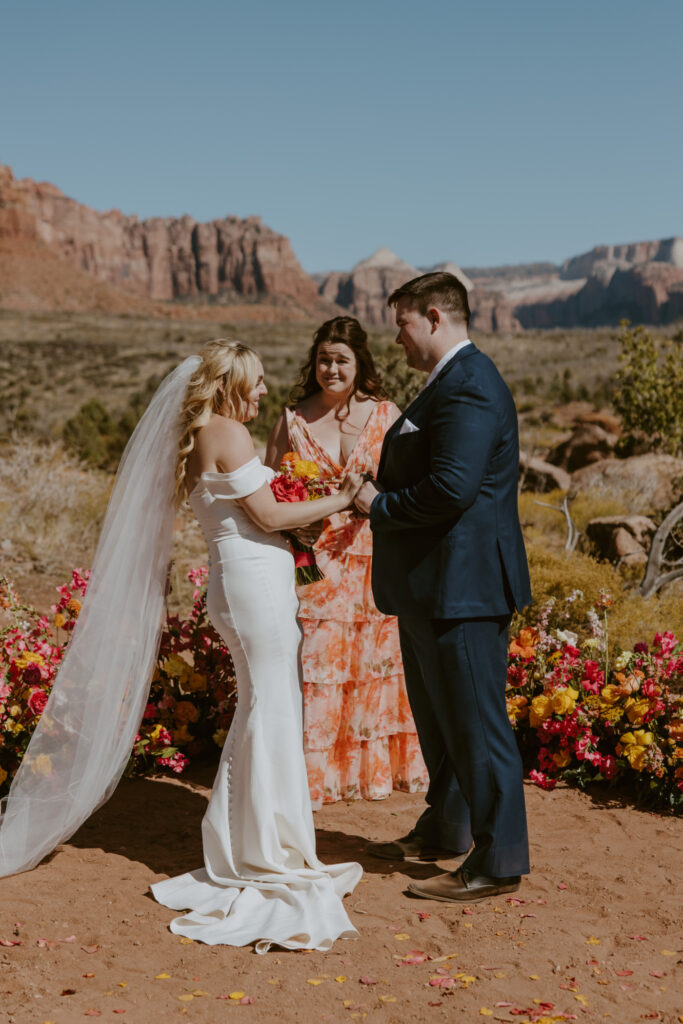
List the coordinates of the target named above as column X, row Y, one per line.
column 649, row 396
column 270, row 407
column 400, row 382
column 98, row 437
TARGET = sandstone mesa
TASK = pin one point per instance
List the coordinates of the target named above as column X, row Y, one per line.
column 52, row 247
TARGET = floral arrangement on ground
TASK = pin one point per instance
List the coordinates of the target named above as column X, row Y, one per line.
column 192, row 694
column 584, row 712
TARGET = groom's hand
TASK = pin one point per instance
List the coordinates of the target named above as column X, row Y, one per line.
column 365, row 497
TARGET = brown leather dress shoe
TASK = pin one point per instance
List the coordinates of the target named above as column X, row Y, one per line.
column 411, row 848
column 462, row 887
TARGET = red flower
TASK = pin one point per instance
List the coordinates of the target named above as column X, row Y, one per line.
column 541, row 779
column 36, row 701
column 287, row 488
column 31, row 674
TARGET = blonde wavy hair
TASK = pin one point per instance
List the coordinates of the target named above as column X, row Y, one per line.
column 229, row 370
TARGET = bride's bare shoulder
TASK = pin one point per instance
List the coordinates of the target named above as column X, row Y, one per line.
column 224, row 443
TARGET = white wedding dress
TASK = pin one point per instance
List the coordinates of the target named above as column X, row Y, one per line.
column 262, row 882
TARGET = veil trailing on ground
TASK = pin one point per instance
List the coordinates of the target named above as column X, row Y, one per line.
column 82, row 742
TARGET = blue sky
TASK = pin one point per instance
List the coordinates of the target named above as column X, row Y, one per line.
column 497, row 131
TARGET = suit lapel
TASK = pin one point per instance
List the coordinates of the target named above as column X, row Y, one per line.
column 420, row 398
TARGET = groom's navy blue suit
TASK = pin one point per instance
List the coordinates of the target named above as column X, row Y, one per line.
column 449, row 560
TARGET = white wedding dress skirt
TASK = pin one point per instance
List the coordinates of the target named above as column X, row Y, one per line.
column 261, row 882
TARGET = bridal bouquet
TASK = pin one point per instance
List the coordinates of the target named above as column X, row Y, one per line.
column 299, row 480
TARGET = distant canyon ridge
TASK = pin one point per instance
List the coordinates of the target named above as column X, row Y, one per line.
column 57, row 253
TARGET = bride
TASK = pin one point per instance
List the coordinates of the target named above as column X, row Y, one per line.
column 262, row 882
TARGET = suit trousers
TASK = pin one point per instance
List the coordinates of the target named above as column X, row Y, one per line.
column 455, row 677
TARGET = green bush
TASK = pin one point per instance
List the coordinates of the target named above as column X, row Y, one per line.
column 649, row 395
column 97, row 437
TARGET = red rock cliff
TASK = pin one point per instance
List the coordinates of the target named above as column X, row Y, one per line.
column 159, row 258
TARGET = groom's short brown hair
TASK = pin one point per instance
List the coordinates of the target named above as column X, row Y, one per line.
column 438, row 289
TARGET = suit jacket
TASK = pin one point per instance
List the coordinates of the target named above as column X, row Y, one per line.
column 447, row 542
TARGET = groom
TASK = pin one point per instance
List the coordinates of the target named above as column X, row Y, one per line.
column 449, row 560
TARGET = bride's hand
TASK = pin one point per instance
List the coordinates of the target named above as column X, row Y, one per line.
column 351, row 486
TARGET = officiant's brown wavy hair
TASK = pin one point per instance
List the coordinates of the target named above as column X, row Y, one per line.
column 341, row 330
column 229, row 370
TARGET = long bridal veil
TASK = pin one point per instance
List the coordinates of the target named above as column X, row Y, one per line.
column 82, row 742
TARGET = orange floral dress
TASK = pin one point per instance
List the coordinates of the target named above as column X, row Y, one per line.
column 360, row 738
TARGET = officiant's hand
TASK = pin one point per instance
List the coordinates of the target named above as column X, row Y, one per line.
column 365, row 497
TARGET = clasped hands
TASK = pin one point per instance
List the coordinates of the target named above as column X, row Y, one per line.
column 364, row 490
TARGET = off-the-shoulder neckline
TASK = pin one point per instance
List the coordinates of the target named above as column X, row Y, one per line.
column 224, row 476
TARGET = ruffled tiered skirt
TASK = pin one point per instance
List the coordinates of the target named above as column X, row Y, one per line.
column 360, row 738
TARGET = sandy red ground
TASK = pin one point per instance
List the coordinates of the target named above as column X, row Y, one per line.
column 596, row 936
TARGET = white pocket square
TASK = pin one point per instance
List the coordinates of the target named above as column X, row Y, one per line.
column 408, row 428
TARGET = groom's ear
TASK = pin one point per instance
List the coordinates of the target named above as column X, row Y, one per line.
column 434, row 317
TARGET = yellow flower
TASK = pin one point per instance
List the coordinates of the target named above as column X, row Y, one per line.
column 155, row 733
column 517, row 708
column 59, row 620
column 634, row 747
column 636, row 710
column 306, row 468
column 15, row 711
column 564, row 700
column 29, row 658
column 177, row 667
column 635, row 756
column 541, row 708
column 219, row 737
column 622, row 661
column 3, row 775
column 196, row 681
column 611, row 694
column 42, row 764
column 562, row 759
column 181, row 736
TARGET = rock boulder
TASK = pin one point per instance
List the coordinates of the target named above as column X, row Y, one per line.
column 620, row 539
column 588, row 443
column 645, row 483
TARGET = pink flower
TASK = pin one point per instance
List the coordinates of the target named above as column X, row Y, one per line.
column 542, row 780
column 609, row 766
column 666, row 642
column 36, row 701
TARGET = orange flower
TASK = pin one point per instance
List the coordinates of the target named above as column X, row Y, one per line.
column 74, row 605
column 676, row 729
column 517, row 708
column 59, row 620
column 523, row 645
column 186, row 711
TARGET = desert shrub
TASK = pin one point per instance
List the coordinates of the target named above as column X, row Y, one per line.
column 557, row 574
column 649, row 395
column 400, row 381
column 97, row 437
column 50, row 507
